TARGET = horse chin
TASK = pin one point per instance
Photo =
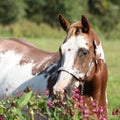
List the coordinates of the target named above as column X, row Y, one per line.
column 59, row 96
column 68, row 91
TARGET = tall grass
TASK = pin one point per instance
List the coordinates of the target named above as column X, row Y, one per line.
column 30, row 30
column 112, row 54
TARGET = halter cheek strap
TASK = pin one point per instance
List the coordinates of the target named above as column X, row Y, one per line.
column 78, row 75
column 75, row 73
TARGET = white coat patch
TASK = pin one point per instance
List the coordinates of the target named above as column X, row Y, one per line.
column 15, row 77
column 99, row 51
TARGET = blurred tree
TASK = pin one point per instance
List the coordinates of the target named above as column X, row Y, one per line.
column 95, row 6
column 48, row 10
column 45, row 11
column 11, row 11
column 117, row 2
column 103, row 11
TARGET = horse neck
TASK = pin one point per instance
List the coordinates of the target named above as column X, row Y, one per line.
column 46, row 62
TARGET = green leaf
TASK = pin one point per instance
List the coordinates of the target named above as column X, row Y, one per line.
column 19, row 113
column 1, row 109
column 23, row 100
column 77, row 115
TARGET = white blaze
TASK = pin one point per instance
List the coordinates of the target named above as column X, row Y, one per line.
column 69, row 51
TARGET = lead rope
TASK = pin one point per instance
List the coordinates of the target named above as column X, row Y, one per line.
column 82, row 87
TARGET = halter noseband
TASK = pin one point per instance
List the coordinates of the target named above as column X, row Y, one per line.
column 75, row 73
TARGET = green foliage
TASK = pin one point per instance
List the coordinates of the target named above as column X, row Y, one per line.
column 30, row 29
column 102, row 14
column 13, row 107
column 106, row 14
column 11, row 11
column 45, row 11
column 116, row 2
column 30, row 104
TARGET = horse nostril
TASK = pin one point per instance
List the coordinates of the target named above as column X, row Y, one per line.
column 65, row 91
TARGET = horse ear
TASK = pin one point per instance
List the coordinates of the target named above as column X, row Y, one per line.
column 85, row 24
column 64, row 23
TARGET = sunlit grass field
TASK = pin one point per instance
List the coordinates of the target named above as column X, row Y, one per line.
column 112, row 55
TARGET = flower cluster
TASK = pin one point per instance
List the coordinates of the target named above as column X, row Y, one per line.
column 75, row 107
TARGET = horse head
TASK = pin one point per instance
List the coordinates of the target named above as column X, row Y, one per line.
column 77, row 55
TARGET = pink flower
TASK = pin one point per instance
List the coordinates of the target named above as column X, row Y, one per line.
column 115, row 112
column 81, row 99
column 100, row 110
column 1, row 117
column 76, row 90
column 47, row 92
column 50, row 104
column 94, row 104
column 76, row 96
column 86, row 113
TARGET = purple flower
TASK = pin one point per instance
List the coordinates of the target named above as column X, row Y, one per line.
column 81, row 99
column 1, row 117
column 12, row 104
column 76, row 90
column 72, row 113
column 47, row 92
column 75, row 96
column 100, row 110
column 86, row 113
column 94, row 104
column 115, row 112
column 50, row 104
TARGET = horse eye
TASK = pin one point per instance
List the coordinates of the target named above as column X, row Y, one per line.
column 83, row 51
column 69, row 49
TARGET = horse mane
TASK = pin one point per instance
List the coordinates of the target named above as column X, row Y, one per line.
column 22, row 41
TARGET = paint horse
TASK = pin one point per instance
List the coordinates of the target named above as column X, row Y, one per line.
column 79, row 63
column 21, row 65
column 82, row 63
